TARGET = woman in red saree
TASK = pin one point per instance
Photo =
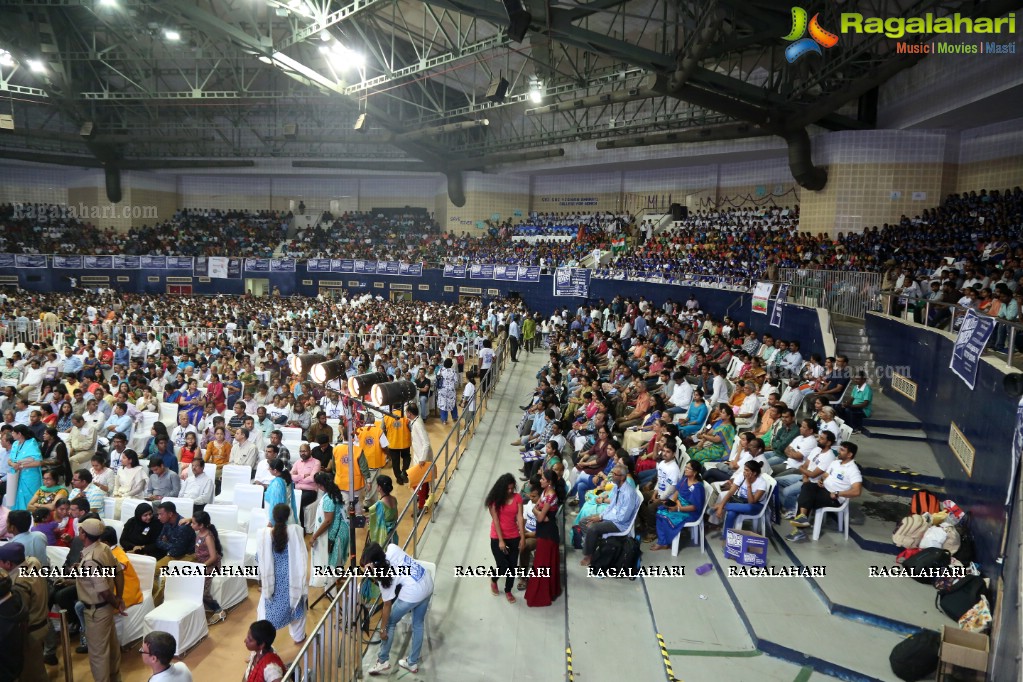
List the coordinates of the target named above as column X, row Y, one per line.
column 542, row 590
column 216, row 394
column 264, row 663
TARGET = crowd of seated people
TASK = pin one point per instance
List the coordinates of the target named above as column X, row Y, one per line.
column 664, row 398
column 570, row 223
column 85, row 438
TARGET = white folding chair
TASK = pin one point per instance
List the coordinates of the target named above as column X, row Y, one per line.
column 760, row 519
column 697, row 525
column 109, row 504
column 845, row 432
column 169, row 415
column 118, row 526
column 57, row 555
column 247, row 497
column 130, row 627
column 128, row 506
column 182, row 613
column 258, row 520
column 232, row 476
column 224, row 517
column 231, row 590
column 335, row 425
column 290, row 434
column 841, row 511
column 184, row 506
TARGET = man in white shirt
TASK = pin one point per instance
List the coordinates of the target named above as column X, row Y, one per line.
column 655, row 492
column 841, row 481
column 681, row 396
column 800, row 447
column 243, row 452
column 813, row 467
column 31, row 381
column 93, row 416
column 719, row 393
column 179, row 432
column 158, row 649
column 263, row 476
column 746, row 417
column 198, row 485
column 422, row 450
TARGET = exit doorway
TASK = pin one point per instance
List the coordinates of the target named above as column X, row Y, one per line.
column 257, row 287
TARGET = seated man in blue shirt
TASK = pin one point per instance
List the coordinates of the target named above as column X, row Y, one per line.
column 616, row 518
column 19, row 522
column 117, row 422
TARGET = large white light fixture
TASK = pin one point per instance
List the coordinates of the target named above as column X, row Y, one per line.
column 171, row 34
column 535, row 90
column 342, row 57
column 36, row 66
column 6, row 59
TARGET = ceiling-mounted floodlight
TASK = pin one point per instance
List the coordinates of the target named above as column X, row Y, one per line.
column 36, row 66
column 6, row 59
column 327, row 371
column 360, row 385
column 535, row 90
column 301, row 364
column 394, row 393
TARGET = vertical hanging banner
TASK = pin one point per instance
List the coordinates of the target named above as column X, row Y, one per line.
column 973, row 337
column 217, row 267
column 776, row 311
column 761, row 294
column 572, row 282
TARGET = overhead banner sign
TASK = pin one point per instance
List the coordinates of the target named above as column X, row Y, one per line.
column 458, row 271
column 776, row 311
column 572, row 282
column 506, row 272
column 179, row 262
column 761, row 294
column 529, row 273
column 257, row 265
column 127, row 263
column 283, row 264
column 481, row 271
column 7, row 260
column 217, row 267
column 342, row 265
column 317, row 265
column 153, row 262
column 67, row 262
column 410, row 269
column 30, row 261
column 99, row 262
column 973, row 337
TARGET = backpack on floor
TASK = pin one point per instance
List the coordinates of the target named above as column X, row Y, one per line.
column 916, row 657
column 967, row 547
column 607, row 553
column 925, row 559
column 924, row 502
column 964, row 597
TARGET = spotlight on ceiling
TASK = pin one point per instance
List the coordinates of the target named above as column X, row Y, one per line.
column 535, row 90
column 171, row 35
column 6, row 59
column 36, row 66
column 393, row 393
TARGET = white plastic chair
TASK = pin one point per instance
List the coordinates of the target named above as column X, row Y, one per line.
column 184, row 506
column 248, row 497
column 842, row 512
column 699, row 535
column 231, row 590
column 130, row 627
column 760, row 519
column 632, row 524
column 232, row 476
column 109, row 504
column 258, row 520
column 118, row 526
column 128, row 506
column 182, row 613
column 291, row 434
column 845, row 432
column 57, row 555
column 224, row 517
column 169, row 415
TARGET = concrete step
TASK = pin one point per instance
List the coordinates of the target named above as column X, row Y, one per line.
column 889, row 433
column 850, row 334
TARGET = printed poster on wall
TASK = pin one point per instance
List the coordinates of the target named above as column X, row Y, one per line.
column 30, row 261
column 317, row 265
column 410, row 269
column 153, row 262
column 761, row 294
column 127, row 263
column 216, row 266
column 387, row 267
column 572, row 282
column 342, row 265
column 529, row 273
column 283, row 264
column 7, row 260
column 67, row 262
column 776, row 311
column 257, row 265
column 455, row 271
column 98, row 262
column 481, row 271
column 506, row 272
column 179, row 262
column 973, row 337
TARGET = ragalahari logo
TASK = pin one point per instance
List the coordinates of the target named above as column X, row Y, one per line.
column 819, row 37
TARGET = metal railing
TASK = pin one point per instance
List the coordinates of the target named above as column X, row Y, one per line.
column 932, row 314
column 334, row 651
column 845, row 293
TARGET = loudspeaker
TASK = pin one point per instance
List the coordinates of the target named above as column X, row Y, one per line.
column 1013, row 385
column 497, row 90
column 679, row 212
column 360, row 123
column 519, row 19
column 290, row 129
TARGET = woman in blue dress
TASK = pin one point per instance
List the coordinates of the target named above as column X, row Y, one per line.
column 26, row 459
column 193, row 402
column 281, row 552
column 685, row 507
column 281, row 490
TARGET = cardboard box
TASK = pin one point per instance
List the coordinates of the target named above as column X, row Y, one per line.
column 745, row 547
column 964, row 649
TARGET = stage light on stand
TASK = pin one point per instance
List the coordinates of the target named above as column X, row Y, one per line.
column 327, row 371
column 360, row 385
column 302, row 364
column 393, row 393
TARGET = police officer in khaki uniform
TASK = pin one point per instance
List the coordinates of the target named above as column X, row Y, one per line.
column 102, row 599
column 35, row 596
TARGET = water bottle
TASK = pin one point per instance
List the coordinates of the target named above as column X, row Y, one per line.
column 706, row 568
